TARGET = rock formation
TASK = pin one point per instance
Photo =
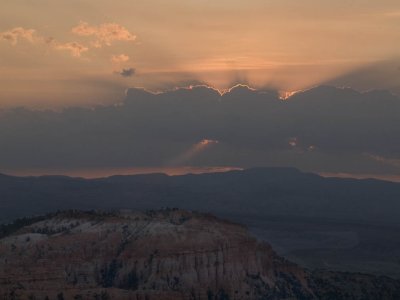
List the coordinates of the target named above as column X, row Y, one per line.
column 168, row 254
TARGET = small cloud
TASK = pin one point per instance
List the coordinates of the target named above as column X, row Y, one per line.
column 384, row 160
column 17, row 33
column 49, row 40
column 293, row 142
column 119, row 58
column 75, row 48
column 207, row 142
column 105, row 33
column 129, row 72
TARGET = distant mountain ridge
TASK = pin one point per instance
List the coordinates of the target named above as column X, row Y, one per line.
column 258, row 192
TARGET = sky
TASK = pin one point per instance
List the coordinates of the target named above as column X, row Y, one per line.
column 123, row 85
column 56, row 53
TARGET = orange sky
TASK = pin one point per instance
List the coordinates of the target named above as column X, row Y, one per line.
column 58, row 53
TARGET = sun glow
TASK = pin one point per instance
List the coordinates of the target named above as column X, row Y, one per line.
column 193, row 151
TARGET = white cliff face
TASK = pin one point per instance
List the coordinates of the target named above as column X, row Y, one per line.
column 159, row 255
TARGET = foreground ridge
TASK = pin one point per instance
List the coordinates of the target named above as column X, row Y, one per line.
column 165, row 254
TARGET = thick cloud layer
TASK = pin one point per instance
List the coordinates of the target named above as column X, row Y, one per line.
column 324, row 129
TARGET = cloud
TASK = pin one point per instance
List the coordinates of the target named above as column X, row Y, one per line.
column 105, row 33
column 119, row 58
column 389, row 161
column 207, row 142
column 382, row 75
column 129, row 72
column 293, row 142
column 74, row 48
column 324, row 129
column 17, row 33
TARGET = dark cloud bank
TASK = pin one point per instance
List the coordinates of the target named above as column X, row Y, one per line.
column 323, row 129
